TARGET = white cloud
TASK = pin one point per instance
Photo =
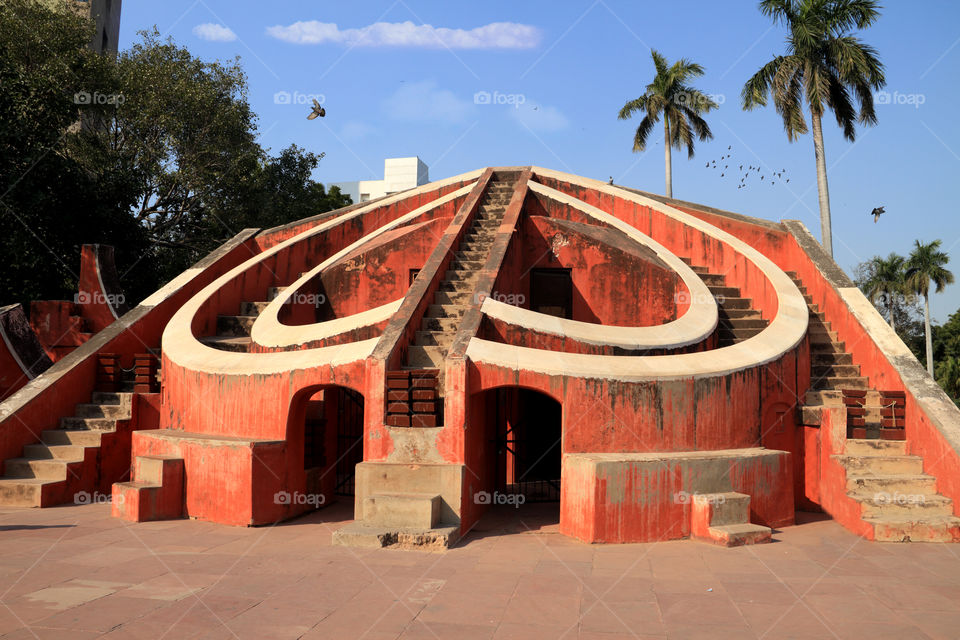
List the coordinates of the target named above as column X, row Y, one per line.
column 540, row 118
column 214, row 32
column 496, row 35
column 425, row 102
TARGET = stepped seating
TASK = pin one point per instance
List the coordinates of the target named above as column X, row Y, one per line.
column 65, row 461
column 455, row 293
column 155, row 493
column 724, row 519
column 738, row 320
column 896, row 497
column 233, row 332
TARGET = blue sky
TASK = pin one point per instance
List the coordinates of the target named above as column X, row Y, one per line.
column 557, row 73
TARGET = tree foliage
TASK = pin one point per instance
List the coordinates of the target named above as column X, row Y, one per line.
column 154, row 152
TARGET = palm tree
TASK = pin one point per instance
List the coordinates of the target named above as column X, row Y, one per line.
column 669, row 96
column 926, row 264
column 824, row 67
column 886, row 282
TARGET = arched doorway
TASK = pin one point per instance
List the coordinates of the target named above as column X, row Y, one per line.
column 328, row 421
column 527, row 442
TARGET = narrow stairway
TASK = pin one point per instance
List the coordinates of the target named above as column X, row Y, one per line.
column 896, row 497
column 233, row 332
column 65, row 461
column 738, row 319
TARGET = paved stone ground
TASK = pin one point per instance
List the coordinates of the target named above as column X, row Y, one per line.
column 75, row 572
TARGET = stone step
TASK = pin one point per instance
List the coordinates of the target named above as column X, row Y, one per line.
column 915, row 529
column 827, row 347
column 458, row 285
column 900, row 505
column 444, row 311
column 441, row 325
column 434, row 338
column 49, row 469
column 29, row 492
column 113, row 411
column 736, row 314
column 735, row 303
column 822, row 335
column 841, row 370
column 471, row 256
column 235, row 325
column 744, row 323
column 77, row 437
column 93, row 424
column 240, row 344
column 835, row 382
column 252, row 308
column 112, row 397
column 458, row 298
column 466, row 265
column 825, row 358
column 53, row 452
column 861, row 447
column 712, row 279
column 413, row 510
column 429, row 357
column 881, row 465
column 743, row 334
column 911, row 484
column 736, row 535
column 474, row 245
column 461, row 274
column 724, row 292
column 273, row 292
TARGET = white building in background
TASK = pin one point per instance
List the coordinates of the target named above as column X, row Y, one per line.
column 399, row 174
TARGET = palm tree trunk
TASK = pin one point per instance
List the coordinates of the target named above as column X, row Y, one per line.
column 823, row 190
column 926, row 328
column 667, row 158
column 893, row 324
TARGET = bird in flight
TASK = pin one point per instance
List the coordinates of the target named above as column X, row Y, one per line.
column 877, row 211
column 318, row 111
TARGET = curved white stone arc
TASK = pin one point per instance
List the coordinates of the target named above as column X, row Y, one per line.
column 268, row 331
column 695, row 325
column 183, row 348
column 783, row 334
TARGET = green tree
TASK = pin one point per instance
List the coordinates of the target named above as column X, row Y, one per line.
column 680, row 105
column 49, row 205
column 824, row 68
column 926, row 264
column 885, row 286
column 948, row 377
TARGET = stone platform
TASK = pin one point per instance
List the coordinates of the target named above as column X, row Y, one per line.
column 75, row 572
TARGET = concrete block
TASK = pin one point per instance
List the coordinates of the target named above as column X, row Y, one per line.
column 410, row 510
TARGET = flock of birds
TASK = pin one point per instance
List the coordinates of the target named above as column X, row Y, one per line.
column 724, row 167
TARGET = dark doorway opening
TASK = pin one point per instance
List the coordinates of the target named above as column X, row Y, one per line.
column 528, row 445
column 551, row 292
column 349, row 439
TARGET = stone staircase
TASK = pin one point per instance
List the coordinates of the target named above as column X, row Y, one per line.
column 896, row 497
column 442, row 318
column 724, row 519
column 65, row 462
column 233, row 332
column 738, row 319
column 154, row 493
